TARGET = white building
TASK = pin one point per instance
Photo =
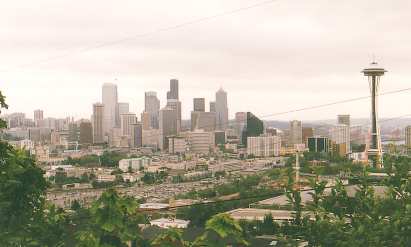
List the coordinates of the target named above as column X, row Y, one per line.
column 340, row 134
column 170, row 223
column 110, row 102
column 296, row 133
column 135, row 164
column 127, row 121
column 201, row 141
column 264, row 146
column 177, row 145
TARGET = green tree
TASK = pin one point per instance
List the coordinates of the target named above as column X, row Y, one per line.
column 222, row 230
column 172, row 237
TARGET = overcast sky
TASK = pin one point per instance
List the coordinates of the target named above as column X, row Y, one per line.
column 276, row 57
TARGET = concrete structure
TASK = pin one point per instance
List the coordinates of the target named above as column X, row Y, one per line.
column 340, row 134
column 173, row 93
column 408, row 137
column 251, row 214
column 145, row 120
column 306, row 133
column 199, row 104
column 374, row 72
column 98, row 122
column 201, row 141
column 136, row 139
column 110, row 102
column 177, row 145
column 203, row 120
column 344, row 119
column 123, row 108
column 127, row 120
column 170, row 223
column 151, row 138
column 240, row 123
column 38, row 116
column 212, row 106
column 168, row 125
column 176, row 106
column 221, row 109
column 134, row 164
column 86, row 133
column 152, row 108
column 296, row 133
column 264, row 146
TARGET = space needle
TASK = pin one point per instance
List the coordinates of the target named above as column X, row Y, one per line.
column 374, row 72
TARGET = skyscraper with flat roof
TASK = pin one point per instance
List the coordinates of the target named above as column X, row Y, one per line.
column 123, row 108
column 110, row 102
column 127, row 120
column 173, row 93
column 38, row 117
column 296, row 133
column 221, row 109
column 97, row 121
column 152, row 107
column 168, row 125
column 199, row 104
column 344, row 119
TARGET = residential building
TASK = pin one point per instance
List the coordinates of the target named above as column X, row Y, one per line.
column 201, row 141
column 264, row 146
column 177, row 145
column 340, row 134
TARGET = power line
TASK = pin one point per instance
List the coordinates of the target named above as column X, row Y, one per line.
column 146, row 34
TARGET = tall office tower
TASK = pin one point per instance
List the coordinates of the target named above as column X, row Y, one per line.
column 199, row 104
column 212, row 106
column 408, row 137
column 98, row 122
column 38, row 117
column 340, row 134
column 173, row 93
column 264, row 146
column 240, row 123
column 176, row 105
column 253, row 127
column 127, row 120
column 374, row 72
column 73, row 132
column 86, row 133
column 152, row 107
column 344, row 119
column 221, row 109
column 168, row 125
column 203, row 120
column 145, row 120
column 307, row 132
column 296, row 133
column 110, row 102
column 136, row 135
column 123, row 108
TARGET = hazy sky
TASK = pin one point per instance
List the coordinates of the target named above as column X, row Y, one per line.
column 280, row 56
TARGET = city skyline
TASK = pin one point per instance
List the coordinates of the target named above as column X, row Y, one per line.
column 258, row 65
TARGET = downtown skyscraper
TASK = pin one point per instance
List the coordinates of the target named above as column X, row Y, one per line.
column 152, row 108
column 221, row 109
column 173, row 101
column 110, row 101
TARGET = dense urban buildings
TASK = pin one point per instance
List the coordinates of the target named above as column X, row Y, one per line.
column 264, row 146
column 38, row 117
column 168, row 125
column 408, row 137
column 340, row 135
column 253, row 127
column 344, row 119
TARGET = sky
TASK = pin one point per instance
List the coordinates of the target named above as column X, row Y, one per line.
column 279, row 56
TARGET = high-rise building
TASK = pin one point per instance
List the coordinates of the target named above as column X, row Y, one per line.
column 203, row 120
column 264, row 146
column 221, row 109
column 86, row 133
column 152, row 107
column 201, row 141
column 110, row 102
column 199, row 104
column 240, row 123
column 136, row 135
column 38, row 116
column 97, row 123
column 127, row 120
column 344, row 119
column 145, row 120
column 176, row 106
column 307, row 132
column 168, row 125
column 340, row 134
column 219, row 137
column 296, row 133
column 374, row 72
column 123, row 108
column 177, row 145
column 212, row 106
column 173, row 93
column 408, row 137
column 253, row 127
column 318, row 144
